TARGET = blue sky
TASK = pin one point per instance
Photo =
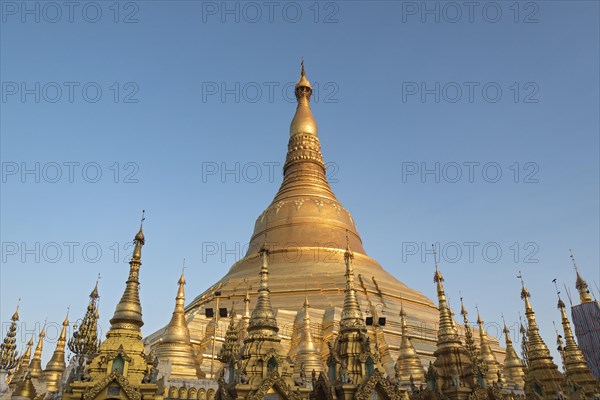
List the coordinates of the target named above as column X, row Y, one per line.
column 167, row 99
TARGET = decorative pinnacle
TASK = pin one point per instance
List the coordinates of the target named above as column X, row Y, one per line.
column 581, row 284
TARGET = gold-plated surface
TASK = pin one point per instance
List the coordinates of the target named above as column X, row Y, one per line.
column 129, row 310
column 492, row 366
column 175, row 348
column 262, row 353
column 57, row 366
column 514, row 372
column 409, row 367
column 35, row 366
column 22, row 365
column 84, row 341
column 576, row 370
column 452, row 368
column 24, row 389
column 8, row 348
column 581, row 285
column 308, row 355
column 307, row 230
column 120, row 368
column 542, row 376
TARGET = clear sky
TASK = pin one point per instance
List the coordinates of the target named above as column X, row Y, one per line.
column 147, row 104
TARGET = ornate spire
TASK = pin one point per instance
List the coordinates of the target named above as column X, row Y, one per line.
column 175, row 346
column 581, row 284
column 446, row 330
column 576, row 367
column 542, row 376
column 128, row 313
column 305, row 193
column 469, row 341
column 307, row 354
column 263, row 317
column 514, row 373
column 408, row 365
column 56, row 366
column 231, row 348
column 303, row 122
column 85, row 338
column 492, row 366
column 8, row 348
column 23, row 364
column 352, row 318
column 177, row 330
column 35, row 366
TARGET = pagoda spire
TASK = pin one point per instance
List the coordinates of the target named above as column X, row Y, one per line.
column 542, row 376
column 303, row 122
column 452, row 365
column 23, row 364
column 408, row 365
column 581, row 284
column 8, row 348
column 57, row 366
column 35, row 366
column 263, row 318
column 514, row 373
column 262, row 346
column 576, row 368
column 231, row 348
column 352, row 318
column 175, row 346
column 469, row 341
column 84, row 341
column 128, row 313
column 492, row 366
column 446, row 330
column 307, row 355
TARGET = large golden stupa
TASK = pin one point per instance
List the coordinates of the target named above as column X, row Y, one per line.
column 306, row 230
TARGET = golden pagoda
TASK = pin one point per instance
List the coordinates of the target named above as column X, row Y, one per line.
column 35, row 366
column 120, row 369
column 308, row 355
column 307, row 228
column 578, row 375
column 452, row 368
column 492, row 366
column 8, row 353
column 409, row 370
column 514, row 372
column 581, row 284
column 542, row 377
column 22, row 365
column 175, row 348
column 264, row 367
column 57, row 366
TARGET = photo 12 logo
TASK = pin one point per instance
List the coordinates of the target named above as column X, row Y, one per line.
column 253, row 172
column 268, row 92
column 68, row 172
column 70, row 12
column 454, row 12
column 469, row 172
column 470, row 92
column 70, row 252
column 69, row 92
column 470, row 252
column 254, row 12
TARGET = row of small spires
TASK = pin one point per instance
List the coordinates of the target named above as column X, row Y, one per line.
column 85, row 341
